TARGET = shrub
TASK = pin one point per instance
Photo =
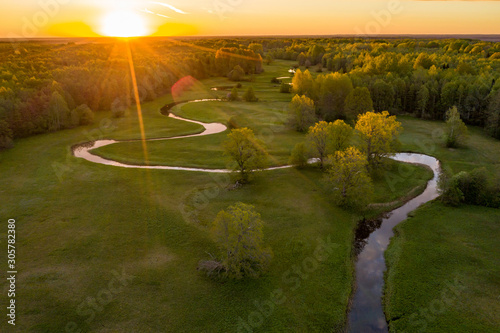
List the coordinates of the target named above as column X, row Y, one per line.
column 299, row 155
column 232, row 123
column 249, row 95
column 471, row 188
column 285, row 88
column 233, row 95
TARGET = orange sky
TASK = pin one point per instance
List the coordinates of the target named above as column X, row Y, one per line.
column 40, row 18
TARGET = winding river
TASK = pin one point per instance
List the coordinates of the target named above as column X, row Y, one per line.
column 372, row 238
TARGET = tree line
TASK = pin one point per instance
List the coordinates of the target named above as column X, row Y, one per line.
column 48, row 87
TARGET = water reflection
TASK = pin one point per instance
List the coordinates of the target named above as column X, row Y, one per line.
column 372, row 239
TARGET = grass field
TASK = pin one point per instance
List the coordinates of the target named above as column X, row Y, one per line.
column 80, row 224
column 444, row 263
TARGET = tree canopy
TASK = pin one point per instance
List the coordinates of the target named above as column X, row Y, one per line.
column 245, row 151
column 302, row 113
column 239, row 236
column 456, row 131
column 348, row 176
column 379, row 135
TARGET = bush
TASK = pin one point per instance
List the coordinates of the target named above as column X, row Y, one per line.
column 249, row 95
column 470, row 188
column 82, row 115
column 118, row 112
column 233, row 95
column 236, row 74
column 285, row 88
column 299, row 156
column 232, row 123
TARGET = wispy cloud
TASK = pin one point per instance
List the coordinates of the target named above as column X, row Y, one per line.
column 177, row 10
column 145, row 10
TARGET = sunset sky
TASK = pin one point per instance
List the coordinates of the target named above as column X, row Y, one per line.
column 40, row 18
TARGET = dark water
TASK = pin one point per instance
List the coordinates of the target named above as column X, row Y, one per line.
column 372, row 238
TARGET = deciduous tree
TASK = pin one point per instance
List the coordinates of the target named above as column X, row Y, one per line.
column 247, row 152
column 379, row 135
column 456, row 131
column 358, row 102
column 348, row 175
column 239, row 236
column 249, row 95
column 302, row 113
column 325, row 138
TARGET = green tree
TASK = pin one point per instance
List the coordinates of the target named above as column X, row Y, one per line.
column 249, row 95
column 302, row 113
column 340, row 136
column 325, row 138
column 379, row 135
column 348, row 175
column 423, row 60
column 239, row 236
column 237, row 73
column 299, row 157
column 383, row 95
column 247, row 152
column 456, row 131
column 422, row 100
column 303, row 83
column 318, row 138
column 257, row 48
column 358, row 102
column 233, row 95
column 59, row 113
column 493, row 123
column 334, row 88
column 82, row 115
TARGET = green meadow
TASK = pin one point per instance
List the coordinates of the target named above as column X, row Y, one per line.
column 106, row 249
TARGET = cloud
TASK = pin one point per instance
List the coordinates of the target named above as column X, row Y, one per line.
column 145, row 10
column 177, row 10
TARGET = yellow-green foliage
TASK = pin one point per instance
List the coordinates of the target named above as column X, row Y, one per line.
column 456, row 131
column 349, row 177
column 325, row 138
column 379, row 135
column 239, row 236
column 247, row 151
column 302, row 113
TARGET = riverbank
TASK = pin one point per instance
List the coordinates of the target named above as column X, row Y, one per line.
column 443, row 265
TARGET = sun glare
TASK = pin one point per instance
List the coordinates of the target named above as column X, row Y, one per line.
column 124, row 24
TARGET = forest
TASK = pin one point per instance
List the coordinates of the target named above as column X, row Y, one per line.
column 48, row 87
column 257, row 187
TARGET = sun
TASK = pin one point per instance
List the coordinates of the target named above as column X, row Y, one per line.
column 124, row 24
